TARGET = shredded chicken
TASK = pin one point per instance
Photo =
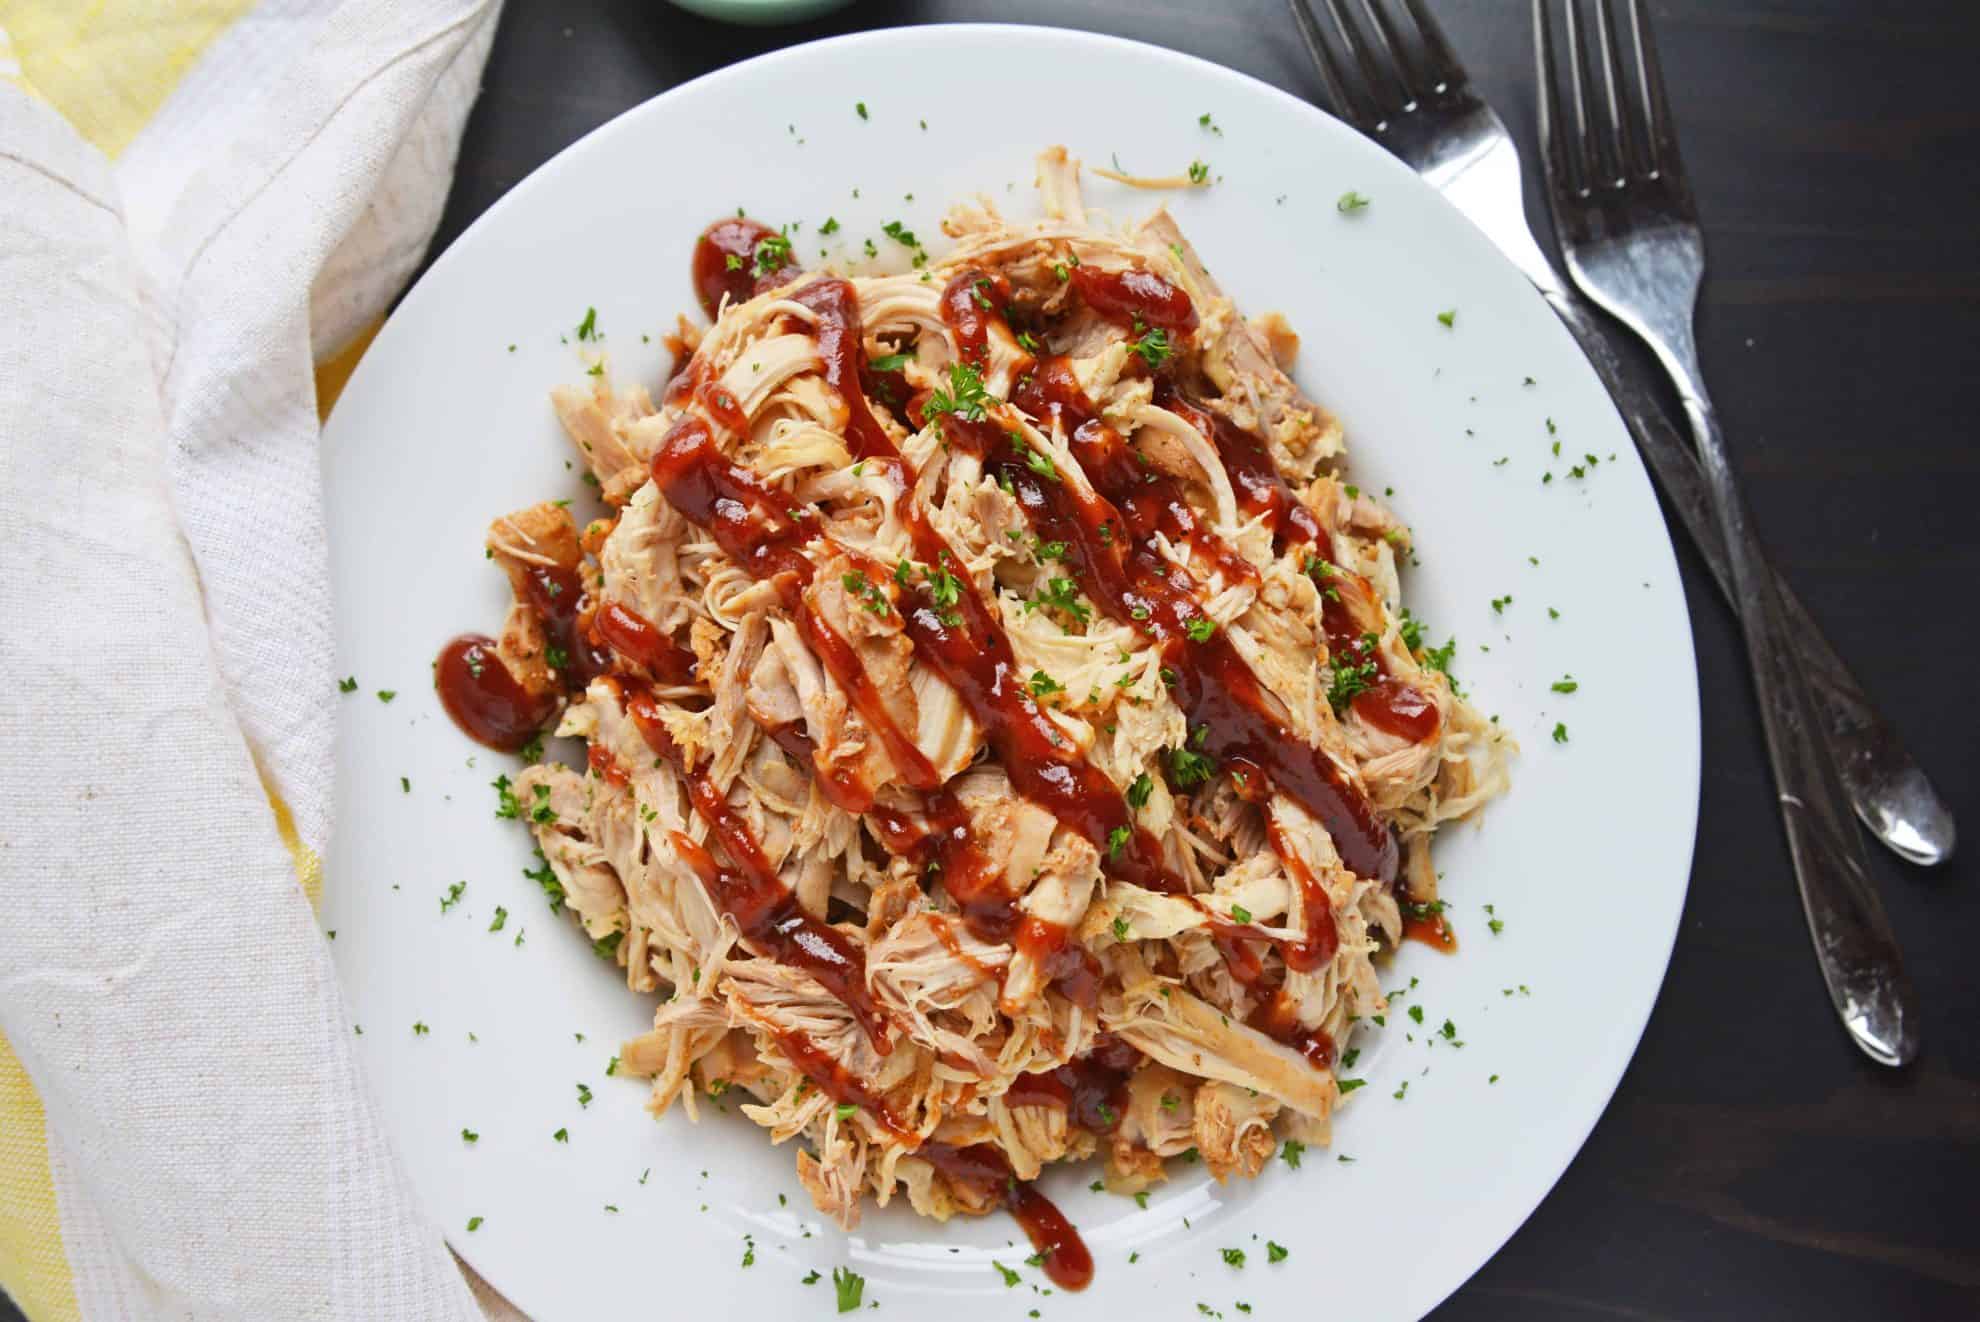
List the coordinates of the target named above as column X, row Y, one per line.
column 1004, row 734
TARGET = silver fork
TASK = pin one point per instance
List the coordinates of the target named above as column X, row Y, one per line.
column 1392, row 74
column 1629, row 231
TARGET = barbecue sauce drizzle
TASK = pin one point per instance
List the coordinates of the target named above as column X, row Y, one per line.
column 1109, row 532
column 984, row 1170
column 1389, row 703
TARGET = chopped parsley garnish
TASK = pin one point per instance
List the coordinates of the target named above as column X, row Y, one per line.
column 1560, row 732
column 1061, row 594
column 607, row 946
column 1233, row 1257
column 1153, row 345
column 871, row 595
column 1494, row 922
column 1204, row 121
column 562, row 1136
column 1036, row 460
column 1439, row 658
column 348, row 684
column 773, row 253
column 420, row 1029
column 474, row 1224
column 1011, row 1278
column 501, row 919
column 542, row 811
column 944, row 588
column 845, row 1110
column 732, row 262
column 1042, row 684
column 469, row 1136
column 964, row 396
column 1353, row 675
column 900, row 234
column 1201, row 629
column 1292, row 1152
column 1138, row 792
column 453, row 896
column 1350, row 202
column 1117, row 840
column 1199, row 173
column 386, row 695
column 1240, row 914
column 1188, row 765
column 1120, row 929
column 850, row 1285
column 546, row 877
column 1565, row 684
column 588, row 328
column 831, row 225
column 1447, row 318
column 1275, row 1252
column 892, row 362
column 1410, row 630
column 860, row 107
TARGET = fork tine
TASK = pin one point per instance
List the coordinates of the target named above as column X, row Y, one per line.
column 1444, row 71
column 1402, row 68
column 1660, row 132
column 1347, row 106
column 1386, row 91
column 1620, row 144
column 1588, row 160
column 1554, row 129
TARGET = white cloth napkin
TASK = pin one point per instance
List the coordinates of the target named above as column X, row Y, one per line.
column 165, row 649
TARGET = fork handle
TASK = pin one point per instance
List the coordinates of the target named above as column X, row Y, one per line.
column 1854, row 944
column 1888, row 789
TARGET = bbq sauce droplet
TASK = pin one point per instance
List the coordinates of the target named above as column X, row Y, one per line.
column 484, row 699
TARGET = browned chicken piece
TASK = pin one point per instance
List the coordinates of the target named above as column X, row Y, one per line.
column 537, row 548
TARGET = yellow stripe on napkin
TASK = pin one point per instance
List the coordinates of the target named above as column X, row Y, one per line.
column 108, row 65
column 335, row 371
column 33, row 1267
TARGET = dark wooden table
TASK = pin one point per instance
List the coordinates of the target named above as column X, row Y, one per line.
column 1752, row 1165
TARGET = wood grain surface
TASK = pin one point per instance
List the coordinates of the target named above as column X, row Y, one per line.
column 1752, row 1165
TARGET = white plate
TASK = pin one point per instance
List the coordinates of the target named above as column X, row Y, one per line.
column 446, row 425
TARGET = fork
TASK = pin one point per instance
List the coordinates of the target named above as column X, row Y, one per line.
column 1393, row 76
column 1628, row 228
